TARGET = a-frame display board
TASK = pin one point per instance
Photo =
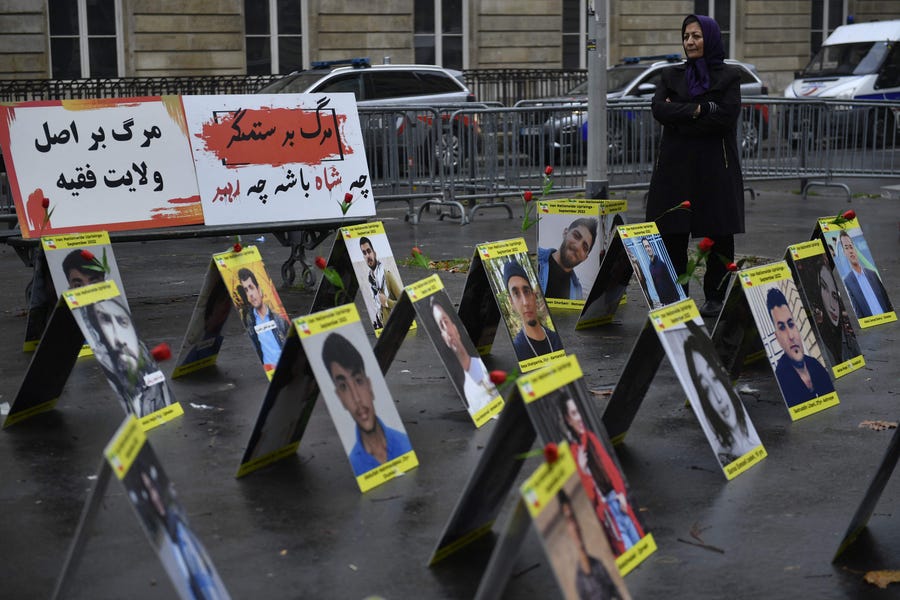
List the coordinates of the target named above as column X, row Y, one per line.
column 763, row 309
column 502, row 284
column 849, row 254
column 98, row 314
column 235, row 278
column 677, row 331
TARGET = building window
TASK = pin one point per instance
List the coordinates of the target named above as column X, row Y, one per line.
column 722, row 11
column 825, row 17
column 439, row 35
column 274, row 35
column 573, row 34
column 85, row 38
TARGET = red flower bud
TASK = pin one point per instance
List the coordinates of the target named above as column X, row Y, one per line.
column 686, row 204
column 731, row 267
column 348, row 198
column 87, row 255
column 498, row 377
column 161, row 352
column 551, row 453
column 321, row 263
column 849, row 215
column 548, row 170
column 45, row 202
column 237, row 247
column 527, row 196
column 705, row 245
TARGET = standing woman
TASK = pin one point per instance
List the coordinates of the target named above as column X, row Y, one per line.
column 698, row 104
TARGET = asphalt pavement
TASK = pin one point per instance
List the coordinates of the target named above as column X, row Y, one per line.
column 301, row 528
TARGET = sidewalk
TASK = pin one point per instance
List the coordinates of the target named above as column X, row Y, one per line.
column 302, row 529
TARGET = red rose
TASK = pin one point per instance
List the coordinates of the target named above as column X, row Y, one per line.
column 161, row 352
column 548, row 170
column 416, row 251
column 686, row 204
column 731, row 267
column 705, row 245
column 45, row 202
column 88, row 255
column 527, row 196
column 237, row 247
column 321, row 263
column 498, row 377
column 849, row 215
column 348, row 198
column 551, row 453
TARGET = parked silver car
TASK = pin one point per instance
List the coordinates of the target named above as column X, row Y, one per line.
column 563, row 135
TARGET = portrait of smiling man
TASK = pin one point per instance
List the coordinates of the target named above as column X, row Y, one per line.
column 556, row 266
column 800, row 376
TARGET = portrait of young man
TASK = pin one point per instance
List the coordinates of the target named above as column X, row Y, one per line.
column 864, row 286
column 533, row 338
column 266, row 323
column 800, row 376
column 557, row 266
column 382, row 283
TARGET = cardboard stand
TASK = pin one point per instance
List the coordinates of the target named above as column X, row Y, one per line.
column 870, row 498
column 574, row 541
column 572, row 237
column 563, row 412
column 767, row 306
column 362, row 257
column 678, row 332
column 151, row 494
column 825, row 304
column 849, row 253
column 608, row 291
column 333, row 356
column 428, row 299
column 504, row 270
column 651, row 263
column 238, row 279
column 98, row 314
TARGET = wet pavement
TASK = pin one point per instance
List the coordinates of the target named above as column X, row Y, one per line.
column 301, row 529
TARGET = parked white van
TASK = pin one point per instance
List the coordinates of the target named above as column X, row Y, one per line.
column 859, row 61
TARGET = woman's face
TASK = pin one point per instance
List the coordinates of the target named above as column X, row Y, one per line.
column 573, row 417
column 692, row 40
column 714, row 391
column 829, row 295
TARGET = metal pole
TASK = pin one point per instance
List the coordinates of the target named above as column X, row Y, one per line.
column 597, row 182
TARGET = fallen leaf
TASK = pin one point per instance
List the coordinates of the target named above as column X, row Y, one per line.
column 879, row 425
column 882, row 578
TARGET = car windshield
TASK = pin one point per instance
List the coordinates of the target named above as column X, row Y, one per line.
column 861, row 58
column 616, row 80
column 295, row 83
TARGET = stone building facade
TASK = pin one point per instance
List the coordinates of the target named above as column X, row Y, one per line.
column 66, row 39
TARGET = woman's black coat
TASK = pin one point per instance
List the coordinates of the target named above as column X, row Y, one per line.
column 698, row 157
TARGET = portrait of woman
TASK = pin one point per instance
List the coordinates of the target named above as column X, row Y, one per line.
column 826, row 306
column 719, row 404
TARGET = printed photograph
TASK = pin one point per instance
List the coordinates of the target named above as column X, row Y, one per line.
column 789, row 341
column 715, row 402
column 522, row 305
column 827, row 309
column 130, row 368
column 376, row 271
column 357, row 397
column 654, row 270
column 568, row 256
column 77, row 267
column 468, row 373
column 856, row 268
column 577, row 548
column 204, row 335
column 566, row 414
column 184, row 558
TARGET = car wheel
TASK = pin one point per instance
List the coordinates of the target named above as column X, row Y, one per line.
column 749, row 137
column 617, row 141
column 447, row 150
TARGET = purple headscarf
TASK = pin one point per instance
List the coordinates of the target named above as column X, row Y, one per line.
column 713, row 54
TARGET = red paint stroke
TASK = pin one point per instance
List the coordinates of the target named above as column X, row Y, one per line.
column 188, row 200
column 275, row 136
